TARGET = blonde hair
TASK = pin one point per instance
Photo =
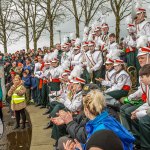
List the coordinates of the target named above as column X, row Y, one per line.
column 94, row 102
column 17, row 77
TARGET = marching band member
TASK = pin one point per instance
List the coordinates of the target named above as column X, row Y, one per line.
column 142, row 24
column 121, row 82
column 130, row 44
column 66, row 51
column 77, row 57
column 110, row 73
column 94, row 60
column 112, row 43
column 126, row 110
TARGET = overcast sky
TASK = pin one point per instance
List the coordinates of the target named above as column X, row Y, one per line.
column 66, row 28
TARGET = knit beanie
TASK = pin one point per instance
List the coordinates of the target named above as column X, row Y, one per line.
column 105, row 140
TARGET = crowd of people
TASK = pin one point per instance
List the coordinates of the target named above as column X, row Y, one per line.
column 88, row 87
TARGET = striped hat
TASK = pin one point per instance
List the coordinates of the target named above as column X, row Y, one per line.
column 118, row 62
column 143, row 51
column 78, row 80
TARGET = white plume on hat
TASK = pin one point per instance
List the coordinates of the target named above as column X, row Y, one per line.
column 114, row 54
column 77, row 42
column 86, row 30
column 76, row 72
column 90, row 37
column 65, row 40
column 100, row 42
column 142, row 41
column 72, row 36
column 45, row 59
column 55, row 54
column 129, row 20
column 97, row 24
column 138, row 4
column 65, row 64
column 93, row 25
column 85, row 38
column 103, row 19
column 50, row 57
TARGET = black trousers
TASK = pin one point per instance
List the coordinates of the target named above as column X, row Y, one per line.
column 23, row 115
column 1, row 114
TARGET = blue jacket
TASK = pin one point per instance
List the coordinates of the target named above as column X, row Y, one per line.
column 104, row 121
column 33, row 82
column 27, row 81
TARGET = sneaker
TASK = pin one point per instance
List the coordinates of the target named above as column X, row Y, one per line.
column 13, row 117
column 31, row 101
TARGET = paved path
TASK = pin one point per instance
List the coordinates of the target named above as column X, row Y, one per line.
column 40, row 138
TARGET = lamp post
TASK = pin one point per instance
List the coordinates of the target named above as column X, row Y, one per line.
column 59, row 32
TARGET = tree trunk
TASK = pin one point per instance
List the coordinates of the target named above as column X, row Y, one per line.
column 51, row 33
column 76, row 18
column 27, row 37
column 118, row 29
column 77, row 28
column 5, row 41
column 35, row 43
column 87, row 23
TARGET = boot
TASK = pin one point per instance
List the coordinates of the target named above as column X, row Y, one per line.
column 23, row 126
column 16, row 127
column 46, row 112
column 49, row 124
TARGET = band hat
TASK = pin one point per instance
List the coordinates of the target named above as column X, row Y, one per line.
column 77, row 47
column 54, row 60
column 109, row 61
column 97, row 28
column 130, row 26
column 91, row 43
column 104, row 25
column 85, row 43
column 63, row 75
column 118, row 62
column 143, row 51
column 78, row 80
column 140, row 10
column 67, row 71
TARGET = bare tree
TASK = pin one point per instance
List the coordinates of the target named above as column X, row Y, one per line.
column 73, row 7
column 22, row 9
column 91, row 7
column 6, row 14
column 121, row 9
column 37, row 21
column 54, row 13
